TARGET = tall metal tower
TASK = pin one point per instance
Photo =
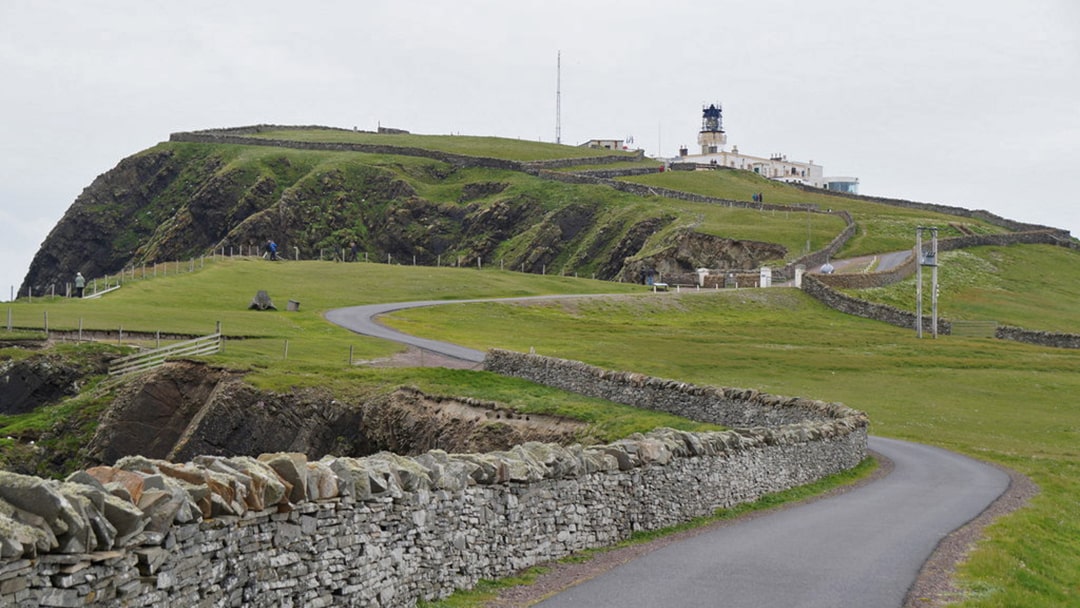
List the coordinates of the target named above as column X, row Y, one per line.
column 926, row 258
column 558, row 98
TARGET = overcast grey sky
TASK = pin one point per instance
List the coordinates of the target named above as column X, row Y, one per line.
column 963, row 102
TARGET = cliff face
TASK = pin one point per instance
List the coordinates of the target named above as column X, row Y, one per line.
column 183, row 410
column 180, row 200
column 102, row 228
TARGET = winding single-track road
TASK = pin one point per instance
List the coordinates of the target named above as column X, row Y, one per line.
column 859, row 548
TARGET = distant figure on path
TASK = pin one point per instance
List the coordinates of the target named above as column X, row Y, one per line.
column 352, row 251
column 80, row 284
column 271, row 246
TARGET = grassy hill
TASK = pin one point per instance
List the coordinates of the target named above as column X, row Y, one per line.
column 184, row 199
column 1004, row 402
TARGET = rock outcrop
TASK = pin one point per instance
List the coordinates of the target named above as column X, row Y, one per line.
column 42, row 379
column 686, row 251
column 186, row 409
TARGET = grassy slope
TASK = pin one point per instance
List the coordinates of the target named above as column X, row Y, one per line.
column 318, row 352
column 881, row 228
column 467, row 145
column 1034, row 287
column 1004, row 402
column 302, row 171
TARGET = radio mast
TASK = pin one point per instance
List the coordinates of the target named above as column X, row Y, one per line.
column 558, row 98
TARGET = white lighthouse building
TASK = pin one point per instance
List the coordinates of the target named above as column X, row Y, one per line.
column 712, row 141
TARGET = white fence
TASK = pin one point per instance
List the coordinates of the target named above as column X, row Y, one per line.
column 206, row 345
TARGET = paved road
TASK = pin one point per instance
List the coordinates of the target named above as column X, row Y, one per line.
column 361, row 319
column 885, row 261
column 860, row 548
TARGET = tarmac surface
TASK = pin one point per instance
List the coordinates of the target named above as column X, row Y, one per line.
column 856, row 549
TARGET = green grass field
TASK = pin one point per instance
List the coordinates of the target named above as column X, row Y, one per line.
column 881, row 227
column 1008, row 403
column 1034, row 287
column 467, row 145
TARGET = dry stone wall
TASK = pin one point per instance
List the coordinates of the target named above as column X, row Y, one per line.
column 813, row 286
column 1040, row 338
column 387, row 530
column 726, row 406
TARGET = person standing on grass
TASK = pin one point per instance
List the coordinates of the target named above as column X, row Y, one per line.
column 271, row 246
column 80, row 284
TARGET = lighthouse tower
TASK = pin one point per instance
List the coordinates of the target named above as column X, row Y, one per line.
column 712, row 137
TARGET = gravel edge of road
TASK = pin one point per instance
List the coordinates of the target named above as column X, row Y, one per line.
column 936, row 584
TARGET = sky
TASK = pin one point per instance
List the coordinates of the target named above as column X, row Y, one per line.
column 973, row 103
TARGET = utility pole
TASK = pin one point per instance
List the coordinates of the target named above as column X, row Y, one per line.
column 930, row 259
column 808, row 219
column 558, row 98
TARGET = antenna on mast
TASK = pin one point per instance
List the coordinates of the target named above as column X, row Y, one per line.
column 558, row 98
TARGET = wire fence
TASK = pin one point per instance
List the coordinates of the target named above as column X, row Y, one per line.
column 99, row 286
